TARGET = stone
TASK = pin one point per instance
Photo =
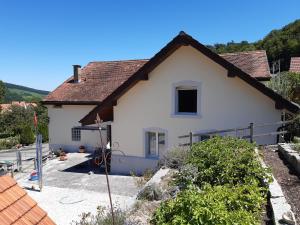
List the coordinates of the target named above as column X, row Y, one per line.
column 289, row 218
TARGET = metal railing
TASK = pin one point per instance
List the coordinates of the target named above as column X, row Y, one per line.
column 239, row 132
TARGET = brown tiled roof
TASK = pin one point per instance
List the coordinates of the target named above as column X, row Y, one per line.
column 97, row 81
column 100, row 79
column 255, row 63
column 295, row 64
column 17, row 208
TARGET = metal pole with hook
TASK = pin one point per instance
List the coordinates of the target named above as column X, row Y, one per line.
column 98, row 121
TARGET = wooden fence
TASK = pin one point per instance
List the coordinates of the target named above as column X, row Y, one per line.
column 239, row 132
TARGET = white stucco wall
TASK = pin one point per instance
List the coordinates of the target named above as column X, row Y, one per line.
column 225, row 103
column 62, row 120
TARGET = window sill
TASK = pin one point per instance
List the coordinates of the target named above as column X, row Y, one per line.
column 186, row 115
column 152, row 157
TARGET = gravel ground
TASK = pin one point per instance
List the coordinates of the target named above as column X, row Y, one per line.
column 286, row 177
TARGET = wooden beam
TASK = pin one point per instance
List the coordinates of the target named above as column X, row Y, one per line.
column 279, row 105
column 230, row 73
column 145, row 76
column 114, row 103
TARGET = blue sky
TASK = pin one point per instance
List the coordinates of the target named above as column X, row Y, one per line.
column 40, row 40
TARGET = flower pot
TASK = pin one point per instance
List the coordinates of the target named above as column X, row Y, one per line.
column 81, row 149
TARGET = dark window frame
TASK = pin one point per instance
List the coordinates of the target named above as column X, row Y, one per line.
column 76, row 134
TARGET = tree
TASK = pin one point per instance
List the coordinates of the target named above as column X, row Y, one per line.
column 279, row 44
column 287, row 84
column 2, row 91
column 27, row 135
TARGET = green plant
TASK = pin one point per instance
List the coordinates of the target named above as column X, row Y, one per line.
column 220, row 205
column 7, row 143
column 43, row 130
column 103, row 217
column 150, row 193
column 142, row 180
column 297, row 147
column 223, row 160
column 296, row 140
column 148, row 174
column 27, row 135
column 175, row 158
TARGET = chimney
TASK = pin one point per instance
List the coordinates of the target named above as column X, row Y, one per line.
column 76, row 73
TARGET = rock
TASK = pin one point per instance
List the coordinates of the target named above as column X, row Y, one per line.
column 289, row 218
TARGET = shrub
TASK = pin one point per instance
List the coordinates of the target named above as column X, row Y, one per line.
column 6, row 135
column 296, row 140
column 213, row 205
column 222, row 184
column 225, row 160
column 297, row 147
column 7, row 143
column 43, row 130
column 103, row 217
column 174, row 158
column 142, row 180
column 27, row 135
column 150, row 193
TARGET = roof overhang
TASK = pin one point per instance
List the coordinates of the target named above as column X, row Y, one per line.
column 70, row 102
column 263, row 78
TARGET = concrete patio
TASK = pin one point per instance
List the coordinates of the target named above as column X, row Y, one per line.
column 72, row 187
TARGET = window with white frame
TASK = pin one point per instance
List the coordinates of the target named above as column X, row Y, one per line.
column 155, row 142
column 186, row 98
column 76, row 134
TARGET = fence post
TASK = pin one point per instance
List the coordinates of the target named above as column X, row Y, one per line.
column 191, row 139
column 19, row 160
column 251, row 132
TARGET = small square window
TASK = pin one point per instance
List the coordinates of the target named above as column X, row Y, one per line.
column 186, row 101
column 76, row 134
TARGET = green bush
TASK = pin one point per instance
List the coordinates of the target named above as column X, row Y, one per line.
column 222, row 183
column 7, row 143
column 6, row 135
column 221, row 161
column 213, row 205
column 27, row 135
column 174, row 158
column 43, row 130
column 150, row 193
column 296, row 140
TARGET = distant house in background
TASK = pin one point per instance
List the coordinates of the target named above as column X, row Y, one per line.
column 25, row 105
column 16, row 207
column 146, row 104
column 295, row 65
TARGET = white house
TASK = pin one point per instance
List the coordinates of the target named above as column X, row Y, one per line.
column 147, row 104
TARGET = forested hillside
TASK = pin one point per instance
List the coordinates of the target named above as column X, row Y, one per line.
column 279, row 44
column 21, row 93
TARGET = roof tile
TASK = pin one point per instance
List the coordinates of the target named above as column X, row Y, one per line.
column 16, row 207
column 295, row 64
column 254, row 63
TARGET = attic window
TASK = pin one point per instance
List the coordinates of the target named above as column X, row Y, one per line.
column 186, row 99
